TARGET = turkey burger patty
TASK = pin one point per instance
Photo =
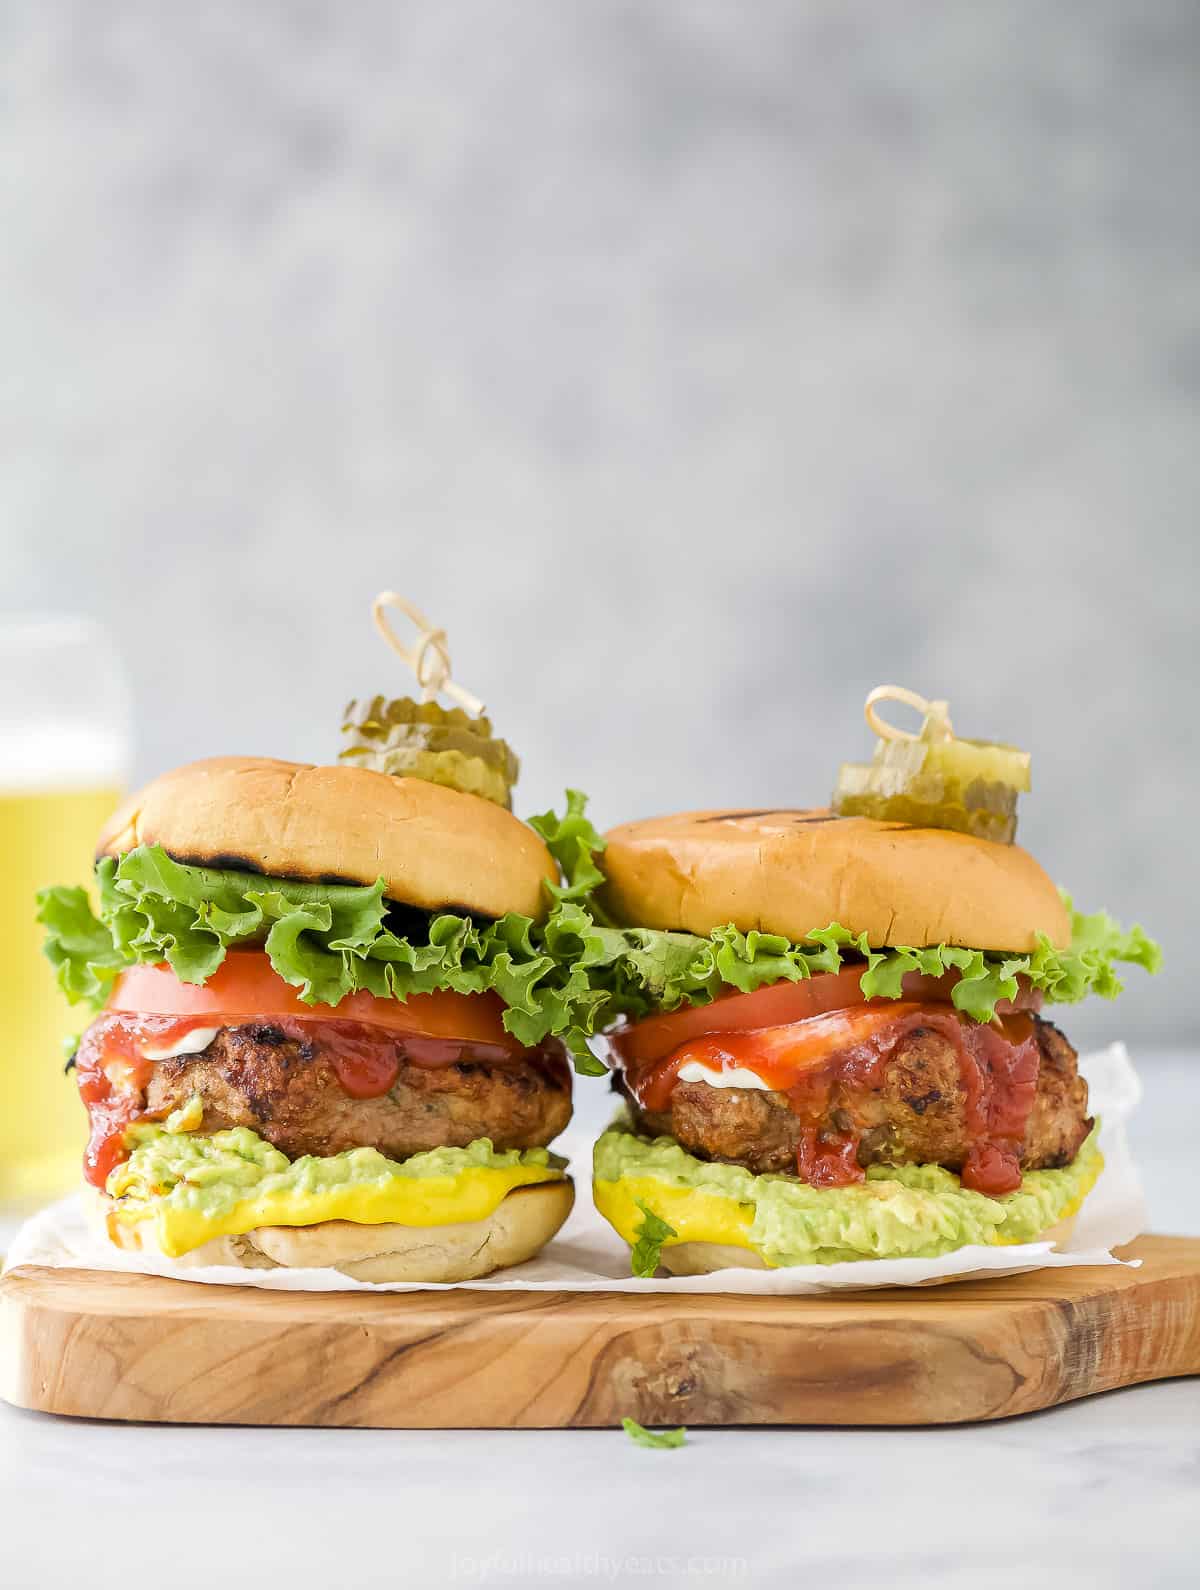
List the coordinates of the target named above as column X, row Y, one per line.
column 281, row 1079
column 915, row 1113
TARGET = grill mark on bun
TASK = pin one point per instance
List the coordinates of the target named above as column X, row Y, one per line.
column 223, row 862
column 796, row 816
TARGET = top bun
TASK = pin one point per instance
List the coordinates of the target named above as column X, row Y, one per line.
column 791, row 872
column 433, row 847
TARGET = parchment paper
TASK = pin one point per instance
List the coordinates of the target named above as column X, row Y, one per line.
column 587, row 1255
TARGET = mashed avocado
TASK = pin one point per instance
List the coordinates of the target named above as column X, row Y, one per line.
column 912, row 1211
column 196, row 1186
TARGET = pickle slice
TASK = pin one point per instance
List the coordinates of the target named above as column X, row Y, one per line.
column 854, row 797
column 420, row 739
column 936, row 780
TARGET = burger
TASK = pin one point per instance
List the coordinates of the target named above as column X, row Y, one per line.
column 329, row 1032
column 829, row 1036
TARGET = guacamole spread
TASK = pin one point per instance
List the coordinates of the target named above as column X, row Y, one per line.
column 195, row 1186
column 898, row 1212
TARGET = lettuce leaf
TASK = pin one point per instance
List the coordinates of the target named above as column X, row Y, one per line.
column 643, row 970
column 569, row 976
column 574, row 843
column 326, row 940
column 78, row 945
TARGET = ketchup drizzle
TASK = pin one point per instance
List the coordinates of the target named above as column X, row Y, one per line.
column 113, row 1072
column 113, row 1075
column 811, row 1060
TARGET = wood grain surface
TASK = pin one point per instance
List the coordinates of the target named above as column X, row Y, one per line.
column 115, row 1346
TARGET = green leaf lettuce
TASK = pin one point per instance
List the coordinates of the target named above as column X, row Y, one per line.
column 569, row 976
column 326, row 940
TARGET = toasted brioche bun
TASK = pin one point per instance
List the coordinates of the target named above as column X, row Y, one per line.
column 433, row 847
column 702, row 1258
column 517, row 1229
column 790, row 872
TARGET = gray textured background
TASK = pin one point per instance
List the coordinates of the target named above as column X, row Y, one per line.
column 699, row 366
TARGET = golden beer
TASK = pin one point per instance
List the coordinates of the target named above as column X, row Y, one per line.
column 64, row 751
column 46, row 836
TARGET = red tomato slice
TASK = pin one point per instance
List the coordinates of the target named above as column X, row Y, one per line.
column 774, row 1006
column 778, row 1005
column 779, row 1056
column 247, row 985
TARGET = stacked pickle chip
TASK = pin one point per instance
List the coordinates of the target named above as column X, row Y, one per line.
column 420, row 739
column 934, row 779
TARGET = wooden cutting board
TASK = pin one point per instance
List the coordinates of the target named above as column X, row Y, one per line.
column 113, row 1346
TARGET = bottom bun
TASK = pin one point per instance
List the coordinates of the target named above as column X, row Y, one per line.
column 703, row 1258
column 717, row 1216
column 517, row 1229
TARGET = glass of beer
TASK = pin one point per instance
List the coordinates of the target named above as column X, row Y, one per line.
column 64, row 749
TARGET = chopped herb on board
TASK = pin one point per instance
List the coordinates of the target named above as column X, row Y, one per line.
column 659, row 1439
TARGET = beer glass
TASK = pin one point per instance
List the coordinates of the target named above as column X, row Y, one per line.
column 64, row 747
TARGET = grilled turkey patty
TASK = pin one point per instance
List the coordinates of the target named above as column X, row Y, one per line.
column 916, row 1117
column 287, row 1091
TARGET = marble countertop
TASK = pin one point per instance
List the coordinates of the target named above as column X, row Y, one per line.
column 1104, row 1492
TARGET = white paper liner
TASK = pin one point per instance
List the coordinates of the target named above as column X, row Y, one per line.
column 588, row 1256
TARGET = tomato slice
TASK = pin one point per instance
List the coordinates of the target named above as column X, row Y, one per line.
column 247, row 985
column 778, row 1005
column 779, row 1056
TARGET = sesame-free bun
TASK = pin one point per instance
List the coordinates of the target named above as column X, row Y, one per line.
column 518, row 1228
column 703, row 1258
column 791, row 872
column 433, row 847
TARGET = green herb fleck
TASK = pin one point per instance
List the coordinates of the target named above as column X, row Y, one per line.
column 662, row 1440
column 651, row 1235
